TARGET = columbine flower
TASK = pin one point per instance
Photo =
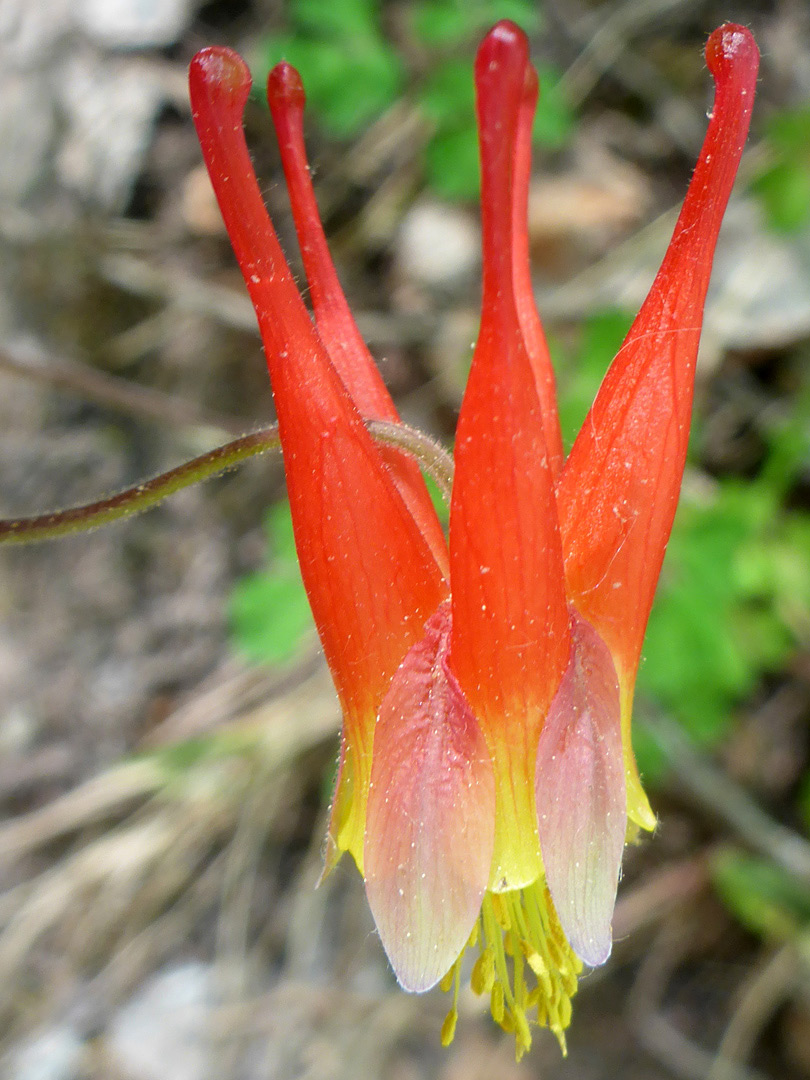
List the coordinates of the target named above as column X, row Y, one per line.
column 487, row 781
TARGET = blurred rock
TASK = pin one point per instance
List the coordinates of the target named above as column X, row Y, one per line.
column 134, row 24
column 760, row 292
column 759, row 295
column 199, row 206
column 577, row 209
column 29, row 36
column 450, row 352
column 111, row 107
column 73, row 110
column 28, row 32
column 163, row 1030
column 27, row 126
column 51, row 1055
column 438, row 245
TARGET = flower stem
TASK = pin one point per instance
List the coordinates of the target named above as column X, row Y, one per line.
column 430, row 456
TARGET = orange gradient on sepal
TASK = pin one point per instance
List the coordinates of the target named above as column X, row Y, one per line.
column 370, row 575
column 619, row 487
column 509, row 643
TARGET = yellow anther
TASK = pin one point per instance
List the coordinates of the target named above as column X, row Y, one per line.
column 482, row 977
column 534, row 960
column 447, row 978
column 449, row 1027
column 523, row 1036
column 557, row 955
column 519, row 981
column 540, row 980
column 475, row 935
column 501, row 911
column 546, row 985
column 565, row 1011
column 554, row 1018
column 496, row 1002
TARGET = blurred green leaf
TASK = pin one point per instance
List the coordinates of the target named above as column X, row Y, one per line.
column 178, row 759
column 279, row 528
column 784, row 191
column 451, row 160
column 784, row 186
column 694, row 664
column 439, row 24
column 765, row 899
column 580, row 372
column 336, row 18
column 448, row 94
column 733, row 601
column 347, row 86
column 441, row 507
column 790, row 130
column 442, row 23
column 554, row 120
column 789, row 438
column 269, row 611
column 651, row 758
column 350, row 72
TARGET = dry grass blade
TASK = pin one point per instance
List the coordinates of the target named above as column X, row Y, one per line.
column 184, row 813
column 769, row 984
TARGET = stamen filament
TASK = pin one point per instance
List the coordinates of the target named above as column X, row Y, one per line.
column 521, row 924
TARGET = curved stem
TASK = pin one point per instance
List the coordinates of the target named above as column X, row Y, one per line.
column 134, row 500
column 430, row 455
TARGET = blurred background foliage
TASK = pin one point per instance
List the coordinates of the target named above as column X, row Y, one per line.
column 352, row 74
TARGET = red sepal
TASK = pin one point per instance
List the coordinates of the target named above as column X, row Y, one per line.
column 530, row 325
column 510, row 622
column 333, row 317
column 619, row 488
column 370, row 576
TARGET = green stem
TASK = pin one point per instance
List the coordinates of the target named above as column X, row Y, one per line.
column 429, row 455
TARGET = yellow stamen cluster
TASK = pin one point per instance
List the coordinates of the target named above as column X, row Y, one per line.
column 525, row 964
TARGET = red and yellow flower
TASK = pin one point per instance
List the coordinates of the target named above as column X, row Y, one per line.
column 487, row 779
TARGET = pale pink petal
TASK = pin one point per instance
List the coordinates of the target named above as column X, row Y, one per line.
column 580, row 790
column 431, row 815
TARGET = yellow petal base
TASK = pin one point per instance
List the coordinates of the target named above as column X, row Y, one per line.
column 525, row 965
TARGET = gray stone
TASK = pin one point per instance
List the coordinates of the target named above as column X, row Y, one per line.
column 54, row 1054
column 438, row 245
column 162, row 1031
column 134, row 24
